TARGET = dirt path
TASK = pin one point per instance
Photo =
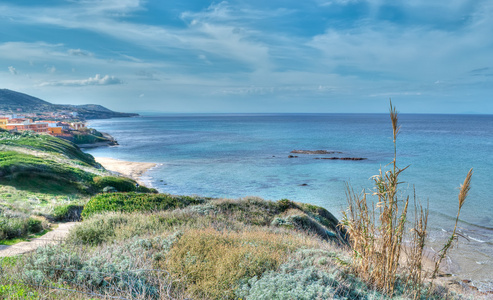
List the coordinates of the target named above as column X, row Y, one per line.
column 51, row 237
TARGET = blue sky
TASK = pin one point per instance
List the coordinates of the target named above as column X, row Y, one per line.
column 429, row 56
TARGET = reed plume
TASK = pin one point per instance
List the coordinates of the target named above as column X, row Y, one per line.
column 464, row 191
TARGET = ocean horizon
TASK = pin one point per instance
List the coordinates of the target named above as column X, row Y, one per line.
column 239, row 155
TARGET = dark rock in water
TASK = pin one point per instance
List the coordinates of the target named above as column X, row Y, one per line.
column 292, row 156
column 314, row 152
column 342, row 158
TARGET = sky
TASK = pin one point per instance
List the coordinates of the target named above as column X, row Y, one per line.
column 309, row 56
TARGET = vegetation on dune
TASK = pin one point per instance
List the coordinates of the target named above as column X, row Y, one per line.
column 46, row 143
column 207, row 250
column 134, row 202
column 212, row 250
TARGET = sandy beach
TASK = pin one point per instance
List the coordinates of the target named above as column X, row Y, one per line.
column 130, row 169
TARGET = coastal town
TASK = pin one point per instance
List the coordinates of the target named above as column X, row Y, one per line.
column 54, row 123
column 67, row 125
column 49, row 124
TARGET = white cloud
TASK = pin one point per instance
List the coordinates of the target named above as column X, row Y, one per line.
column 96, row 80
column 79, row 52
column 12, row 70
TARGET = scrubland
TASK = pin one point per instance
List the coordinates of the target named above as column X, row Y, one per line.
column 133, row 243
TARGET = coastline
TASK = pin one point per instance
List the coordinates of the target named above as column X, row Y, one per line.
column 133, row 170
column 460, row 267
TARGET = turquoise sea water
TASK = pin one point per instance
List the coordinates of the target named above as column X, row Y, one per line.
column 247, row 155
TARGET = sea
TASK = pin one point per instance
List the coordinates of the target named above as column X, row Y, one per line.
column 241, row 155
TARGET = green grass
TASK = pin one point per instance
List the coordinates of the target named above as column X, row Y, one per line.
column 46, row 143
column 29, row 172
column 134, row 202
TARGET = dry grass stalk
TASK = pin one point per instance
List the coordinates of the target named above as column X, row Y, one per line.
column 464, row 191
column 415, row 251
column 377, row 247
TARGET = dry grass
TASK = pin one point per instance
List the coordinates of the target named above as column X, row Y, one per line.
column 210, row 264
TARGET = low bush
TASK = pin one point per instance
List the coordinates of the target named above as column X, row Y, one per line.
column 16, row 227
column 308, row 274
column 134, row 202
column 96, row 230
column 67, row 213
column 117, row 270
column 121, row 184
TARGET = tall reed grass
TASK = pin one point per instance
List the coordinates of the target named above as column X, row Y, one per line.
column 377, row 230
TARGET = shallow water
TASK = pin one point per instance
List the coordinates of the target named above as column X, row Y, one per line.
column 247, row 155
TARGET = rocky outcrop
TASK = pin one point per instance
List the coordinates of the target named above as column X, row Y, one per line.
column 315, row 152
column 342, row 158
column 324, row 152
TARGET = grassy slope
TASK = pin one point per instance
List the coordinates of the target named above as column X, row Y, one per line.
column 48, row 144
column 41, row 175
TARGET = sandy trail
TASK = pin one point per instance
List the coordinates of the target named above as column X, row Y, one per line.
column 51, row 237
column 131, row 169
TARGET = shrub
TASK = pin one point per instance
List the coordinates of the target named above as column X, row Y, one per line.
column 309, row 274
column 34, row 225
column 19, row 226
column 118, row 269
column 68, row 212
column 133, row 202
column 144, row 189
column 121, row 184
column 96, row 230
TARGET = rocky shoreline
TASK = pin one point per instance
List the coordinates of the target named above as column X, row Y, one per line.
column 110, row 141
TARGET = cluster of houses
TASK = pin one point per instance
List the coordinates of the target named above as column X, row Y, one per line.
column 23, row 123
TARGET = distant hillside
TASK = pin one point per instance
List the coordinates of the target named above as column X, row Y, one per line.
column 12, row 101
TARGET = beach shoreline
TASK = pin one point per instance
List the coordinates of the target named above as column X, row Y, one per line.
column 131, row 169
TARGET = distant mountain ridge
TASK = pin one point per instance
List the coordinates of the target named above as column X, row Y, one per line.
column 12, row 101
